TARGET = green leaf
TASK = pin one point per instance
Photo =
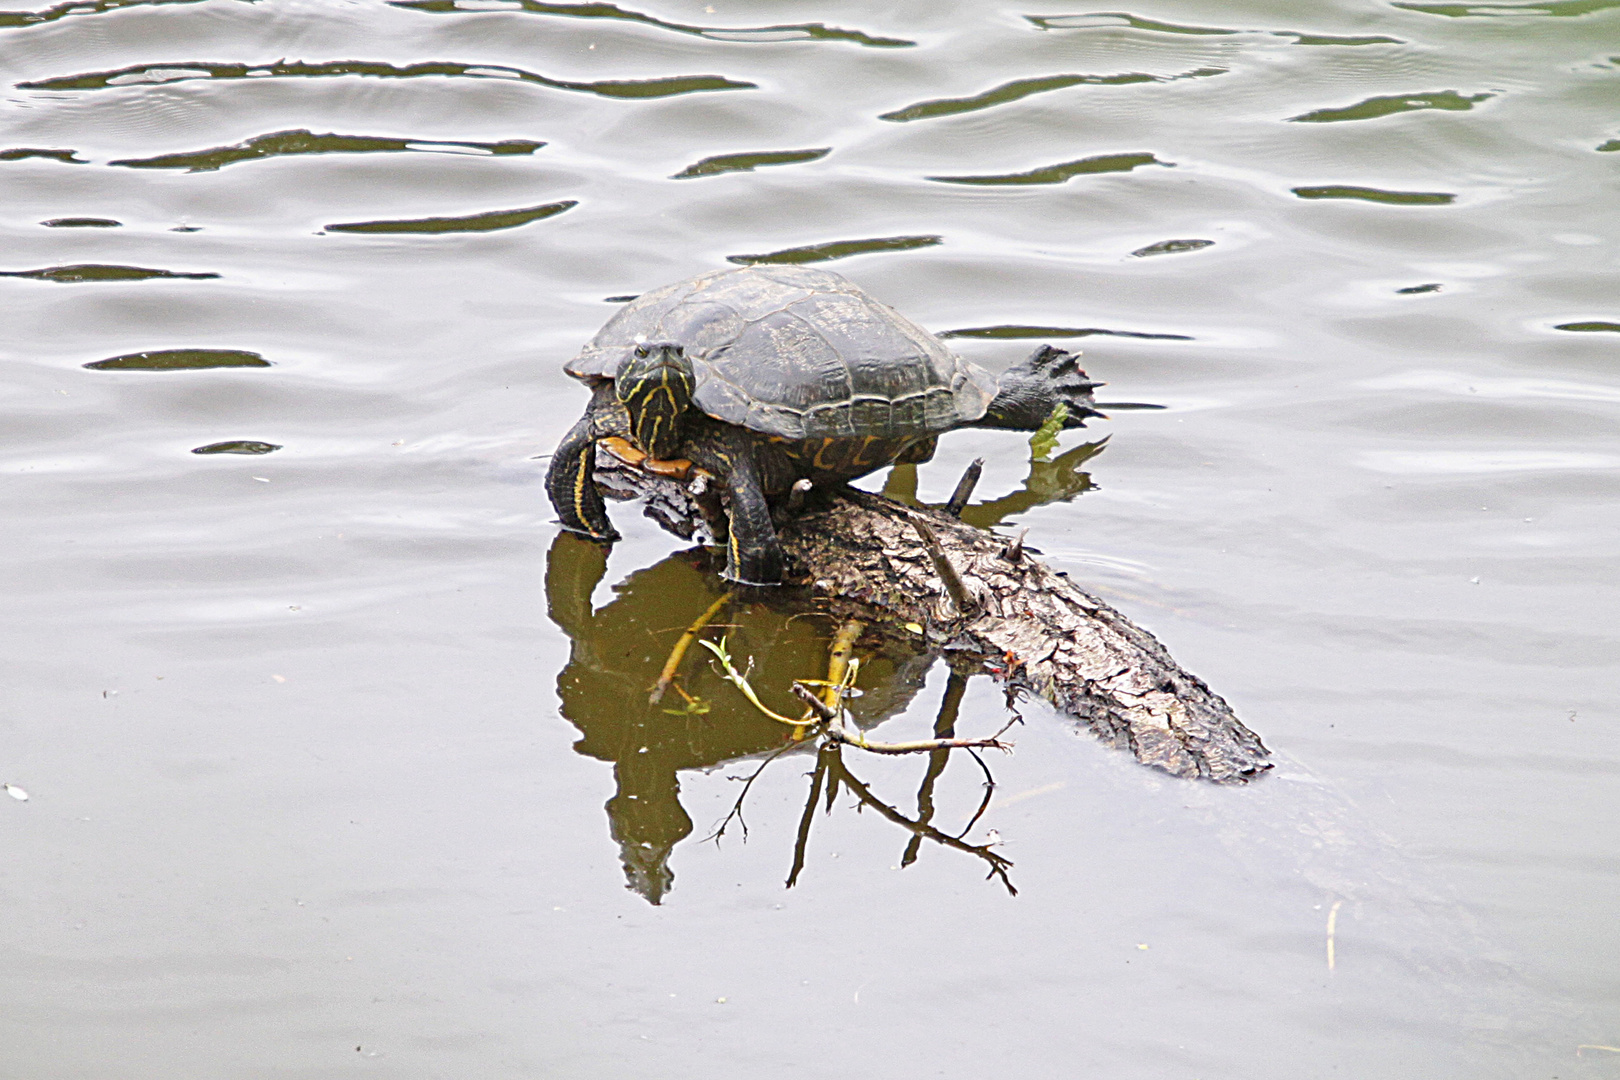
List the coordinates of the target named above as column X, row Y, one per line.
column 1045, row 439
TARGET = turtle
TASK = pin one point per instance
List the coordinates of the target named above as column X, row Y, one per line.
column 765, row 375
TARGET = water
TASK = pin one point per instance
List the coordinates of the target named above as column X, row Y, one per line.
column 303, row 797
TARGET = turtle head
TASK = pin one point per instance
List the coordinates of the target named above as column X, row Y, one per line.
column 654, row 383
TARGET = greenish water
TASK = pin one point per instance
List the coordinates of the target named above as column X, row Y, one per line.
column 339, row 760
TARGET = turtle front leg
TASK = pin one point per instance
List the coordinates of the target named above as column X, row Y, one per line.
column 753, row 553
column 571, row 483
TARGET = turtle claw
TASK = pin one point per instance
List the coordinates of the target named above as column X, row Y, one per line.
column 1050, row 356
column 1066, row 381
column 603, row 538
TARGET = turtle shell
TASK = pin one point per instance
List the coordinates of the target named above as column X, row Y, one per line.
column 798, row 353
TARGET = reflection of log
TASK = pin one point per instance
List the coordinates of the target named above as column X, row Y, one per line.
column 864, row 556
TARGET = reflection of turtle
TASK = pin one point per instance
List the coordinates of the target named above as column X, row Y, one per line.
column 615, row 656
column 770, row 374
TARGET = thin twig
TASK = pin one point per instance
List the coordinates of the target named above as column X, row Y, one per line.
column 678, row 653
column 740, row 681
column 817, row 706
column 918, row 746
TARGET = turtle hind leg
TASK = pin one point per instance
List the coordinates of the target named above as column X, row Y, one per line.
column 918, row 452
column 1027, row 392
column 571, row 483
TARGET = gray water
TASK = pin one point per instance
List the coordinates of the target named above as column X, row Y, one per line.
column 314, row 785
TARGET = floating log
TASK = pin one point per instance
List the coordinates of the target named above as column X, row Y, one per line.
column 906, row 570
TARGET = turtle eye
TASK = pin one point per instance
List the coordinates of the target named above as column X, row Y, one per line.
column 641, row 352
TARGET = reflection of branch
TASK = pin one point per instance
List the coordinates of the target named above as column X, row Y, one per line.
column 845, row 669
column 984, row 803
column 839, row 734
column 826, row 709
column 1058, row 480
column 802, row 842
column 736, row 809
column 950, row 705
column 998, row 864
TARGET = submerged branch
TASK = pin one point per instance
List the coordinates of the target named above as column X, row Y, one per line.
column 678, row 653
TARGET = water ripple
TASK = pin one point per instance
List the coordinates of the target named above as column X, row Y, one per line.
column 98, row 272
column 19, row 153
column 485, row 222
column 179, row 360
column 1465, row 462
column 838, row 249
column 1019, row 89
column 757, row 34
column 724, row 163
column 1018, row 331
column 301, row 141
column 1109, row 19
column 11, row 20
column 1377, row 195
column 1556, row 9
column 1463, row 384
column 1172, row 247
column 1057, row 174
column 238, row 446
column 81, row 223
column 1375, row 107
column 138, row 74
column 1113, row 19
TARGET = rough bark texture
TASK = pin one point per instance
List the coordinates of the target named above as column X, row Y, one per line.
column 866, row 556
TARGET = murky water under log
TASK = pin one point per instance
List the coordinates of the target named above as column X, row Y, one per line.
column 327, row 756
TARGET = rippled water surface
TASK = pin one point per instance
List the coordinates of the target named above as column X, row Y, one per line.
column 327, row 757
